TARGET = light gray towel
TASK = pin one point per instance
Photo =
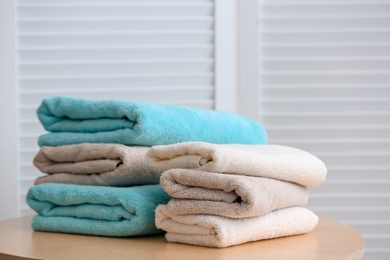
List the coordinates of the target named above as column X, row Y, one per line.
column 217, row 231
column 95, row 164
column 234, row 196
column 271, row 161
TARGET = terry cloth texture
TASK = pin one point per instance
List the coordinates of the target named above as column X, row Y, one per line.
column 217, row 231
column 96, row 210
column 271, row 161
column 234, row 196
column 95, row 164
column 75, row 120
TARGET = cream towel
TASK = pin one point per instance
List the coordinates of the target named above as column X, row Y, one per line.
column 95, row 164
column 234, row 196
column 217, row 231
column 272, row 161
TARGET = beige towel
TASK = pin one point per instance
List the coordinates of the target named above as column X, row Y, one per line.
column 217, row 231
column 234, row 196
column 96, row 164
column 272, row 161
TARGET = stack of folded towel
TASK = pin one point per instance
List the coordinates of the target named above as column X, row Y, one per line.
column 224, row 195
column 97, row 181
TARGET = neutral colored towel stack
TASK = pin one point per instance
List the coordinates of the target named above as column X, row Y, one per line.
column 224, row 195
column 97, row 181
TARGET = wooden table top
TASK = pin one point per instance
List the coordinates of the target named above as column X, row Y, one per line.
column 329, row 240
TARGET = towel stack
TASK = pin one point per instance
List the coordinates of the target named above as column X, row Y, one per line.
column 97, row 180
column 224, row 195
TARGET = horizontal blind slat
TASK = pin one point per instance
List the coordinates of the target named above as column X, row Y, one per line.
column 110, row 10
column 103, row 68
column 113, row 52
column 80, row 26
column 201, row 37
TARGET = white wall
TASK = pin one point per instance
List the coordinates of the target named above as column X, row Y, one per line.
column 8, row 113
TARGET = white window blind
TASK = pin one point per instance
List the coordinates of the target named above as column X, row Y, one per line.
column 157, row 51
column 325, row 88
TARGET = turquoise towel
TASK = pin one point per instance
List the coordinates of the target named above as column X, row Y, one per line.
column 74, row 120
column 96, row 210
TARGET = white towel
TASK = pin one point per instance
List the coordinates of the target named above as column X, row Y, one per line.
column 217, row 231
column 272, row 161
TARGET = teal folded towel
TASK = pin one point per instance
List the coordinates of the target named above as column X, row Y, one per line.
column 75, row 120
column 96, row 210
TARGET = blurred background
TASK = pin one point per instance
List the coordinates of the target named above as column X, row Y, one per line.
column 315, row 73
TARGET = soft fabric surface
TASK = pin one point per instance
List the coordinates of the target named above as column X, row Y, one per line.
column 271, row 161
column 234, row 196
column 95, row 164
column 217, row 231
column 96, row 210
column 75, row 120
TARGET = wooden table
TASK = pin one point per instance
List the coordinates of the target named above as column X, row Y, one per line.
column 329, row 240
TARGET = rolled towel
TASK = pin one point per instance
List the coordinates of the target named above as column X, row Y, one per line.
column 76, row 120
column 95, row 164
column 234, row 196
column 96, row 210
column 217, row 231
column 271, row 161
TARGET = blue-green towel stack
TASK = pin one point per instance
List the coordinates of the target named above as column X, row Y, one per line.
column 75, row 120
column 96, row 210
column 121, row 211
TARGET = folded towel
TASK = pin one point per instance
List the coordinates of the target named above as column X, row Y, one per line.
column 217, row 231
column 272, row 161
column 96, row 210
column 234, row 196
column 96, row 164
column 75, row 120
